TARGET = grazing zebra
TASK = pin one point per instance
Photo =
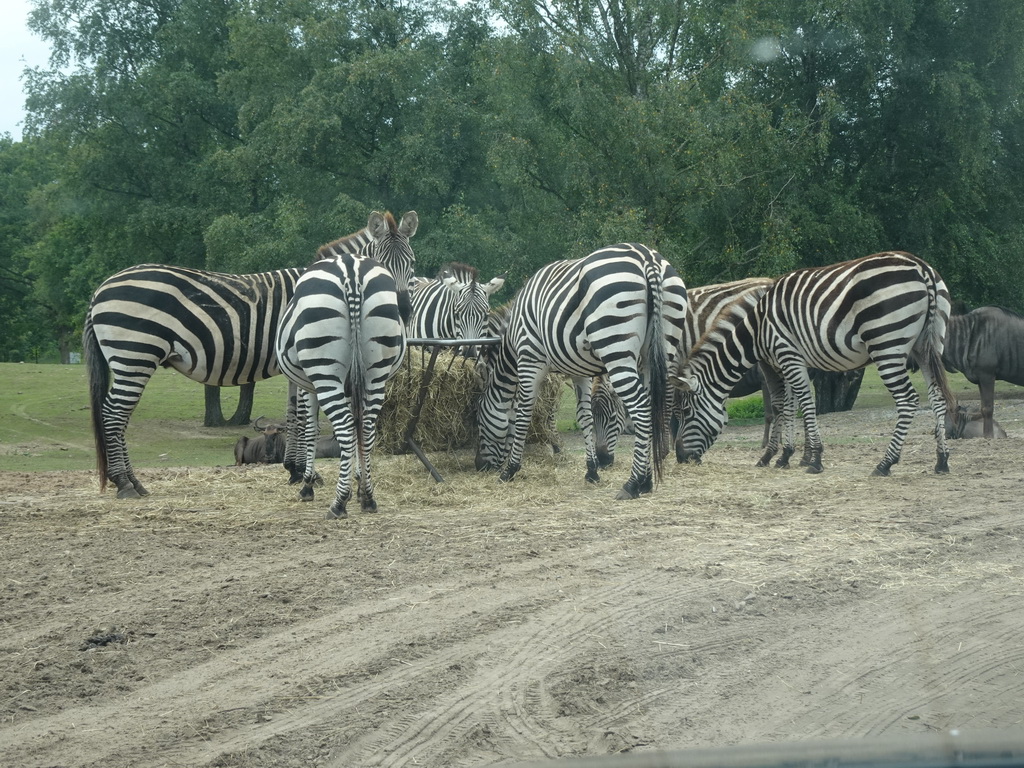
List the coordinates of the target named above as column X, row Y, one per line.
column 342, row 337
column 610, row 420
column 215, row 328
column 882, row 309
column 618, row 311
column 704, row 305
column 454, row 305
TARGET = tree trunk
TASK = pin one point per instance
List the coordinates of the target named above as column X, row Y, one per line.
column 836, row 390
column 243, row 413
column 214, row 416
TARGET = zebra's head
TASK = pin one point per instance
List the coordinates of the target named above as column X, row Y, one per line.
column 390, row 246
column 472, row 302
column 494, row 410
column 702, row 414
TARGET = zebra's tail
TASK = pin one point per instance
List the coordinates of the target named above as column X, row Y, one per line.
column 657, row 371
column 357, row 377
column 99, row 382
column 928, row 350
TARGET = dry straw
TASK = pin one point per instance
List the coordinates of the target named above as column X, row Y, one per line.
column 447, row 419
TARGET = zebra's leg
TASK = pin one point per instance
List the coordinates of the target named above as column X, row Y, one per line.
column 585, row 420
column 893, row 373
column 629, row 387
column 783, row 406
column 799, row 382
column 530, row 377
column 295, row 448
column 368, row 432
column 308, row 431
column 118, row 406
column 938, row 402
column 339, row 410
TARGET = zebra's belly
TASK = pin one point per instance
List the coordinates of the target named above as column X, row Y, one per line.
column 218, row 374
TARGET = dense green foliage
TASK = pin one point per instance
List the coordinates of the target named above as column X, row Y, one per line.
column 738, row 137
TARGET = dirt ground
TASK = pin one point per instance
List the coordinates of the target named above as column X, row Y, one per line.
column 221, row 622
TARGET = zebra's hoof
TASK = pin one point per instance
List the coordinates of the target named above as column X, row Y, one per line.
column 128, row 492
column 336, row 513
column 814, row 469
column 880, row 471
column 624, row 495
column 306, row 493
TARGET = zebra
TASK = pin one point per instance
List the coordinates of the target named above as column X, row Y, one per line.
column 705, row 303
column 454, row 305
column 342, row 337
column 618, row 311
column 883, row 309
column 382, row 239
column 214, row 328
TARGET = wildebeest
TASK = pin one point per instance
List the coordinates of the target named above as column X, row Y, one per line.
column 986, row 344
column 266, row 448
column 967, row 423
column 269, row 446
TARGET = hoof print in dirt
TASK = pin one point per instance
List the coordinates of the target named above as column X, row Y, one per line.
column 105, row 638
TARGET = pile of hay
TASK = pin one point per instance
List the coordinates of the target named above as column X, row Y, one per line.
column 448, row 417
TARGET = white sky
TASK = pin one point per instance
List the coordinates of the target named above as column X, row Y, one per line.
column 19, row 48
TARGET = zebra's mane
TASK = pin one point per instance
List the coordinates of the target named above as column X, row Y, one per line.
column 353, row 243
column 724, row 326
column 463, row 273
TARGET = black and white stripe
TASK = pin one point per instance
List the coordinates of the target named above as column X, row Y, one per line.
column 884, row 309
column 704, row 305
column 342, row 337
column 215, row 328
column 453, row 305
column 618, row 311
column 382, row 239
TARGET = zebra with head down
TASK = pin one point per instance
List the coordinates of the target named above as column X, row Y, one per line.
column 883, row 309
column 618, row 311
column 704, row 304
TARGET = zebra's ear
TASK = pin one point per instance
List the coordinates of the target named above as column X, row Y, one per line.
column 409, row 224
column 686, row 383
column 449, row 281
column 377, row 225
column 494, row 285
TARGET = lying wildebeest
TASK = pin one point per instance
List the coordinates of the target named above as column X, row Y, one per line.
column 984, row 345
column 968, row 423
column 265, row 448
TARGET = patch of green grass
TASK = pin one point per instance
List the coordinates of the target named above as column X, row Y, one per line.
column 45, row 422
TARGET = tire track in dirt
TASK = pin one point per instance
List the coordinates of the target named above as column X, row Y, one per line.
column 922, row 677
column 507, row 663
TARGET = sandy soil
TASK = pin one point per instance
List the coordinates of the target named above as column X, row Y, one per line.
column 221, row 622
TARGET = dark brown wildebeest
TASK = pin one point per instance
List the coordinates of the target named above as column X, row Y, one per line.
column 984, row 345
column 265, row 448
